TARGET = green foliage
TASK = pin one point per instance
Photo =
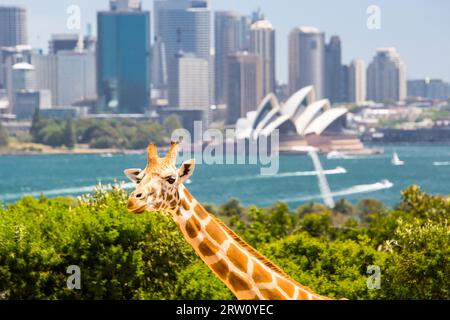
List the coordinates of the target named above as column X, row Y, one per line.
column 3, row 136
column 69, row 138
column 171, row 124
column 126, row 256
column 121, row 255
column 197, row 282
column 103, row 134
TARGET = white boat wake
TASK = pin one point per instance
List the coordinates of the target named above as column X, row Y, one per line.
column 337, row 170
column 64, row 191
column 362, row 188
column 441, row 163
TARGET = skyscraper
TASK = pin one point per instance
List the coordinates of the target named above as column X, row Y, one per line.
column 13, row 26
column 191, row 91
column 262, row 43
column 386, row 79
column 227, row 41
column 123, row 52
column 76, row 77
column 334, row 72
column 357, row 81
column 61, row 42
column 244, row 85
column 46, row 66
column 306, row 60
column 183, row 26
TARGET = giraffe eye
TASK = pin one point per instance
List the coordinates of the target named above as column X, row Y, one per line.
column 170, row 179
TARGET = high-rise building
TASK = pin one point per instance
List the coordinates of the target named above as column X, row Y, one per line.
column 344, row 87
column 227, row 41
column 433, row 89
column 9, row 56
column 76, row 77
column 183, row 26
column 46, row 66
column 262, row 43
column 192, row 88
column 386, row 79
column 27, row 101
column 70, row 42
column 63, row 42
column 437, row 89
column 334, row 71
column 357, row 81
column 306, row 60
column 159, row 69
column 21, row 78
column 13, row 26
column 125, row 5
column 244, row 85
column 123, row 58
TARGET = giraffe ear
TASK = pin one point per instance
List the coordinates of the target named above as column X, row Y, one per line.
column 133, row 174
column 186, row 170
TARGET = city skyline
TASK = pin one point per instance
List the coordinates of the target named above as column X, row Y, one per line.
column 357, row 40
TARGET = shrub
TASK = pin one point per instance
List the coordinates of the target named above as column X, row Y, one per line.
column 121, row 255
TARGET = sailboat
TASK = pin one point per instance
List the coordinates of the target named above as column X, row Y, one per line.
column 396, row 160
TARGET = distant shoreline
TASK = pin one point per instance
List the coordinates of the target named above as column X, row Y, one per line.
column 32, row 149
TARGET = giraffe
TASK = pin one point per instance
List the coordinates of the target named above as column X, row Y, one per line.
column 247, row 273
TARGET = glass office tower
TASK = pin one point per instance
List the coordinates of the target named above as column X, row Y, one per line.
column 123, row 58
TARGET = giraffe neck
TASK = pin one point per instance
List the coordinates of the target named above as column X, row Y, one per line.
column 246, row 272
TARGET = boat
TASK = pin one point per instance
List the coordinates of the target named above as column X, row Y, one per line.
column 106, row 155
column 337, row 155
column 396, row 160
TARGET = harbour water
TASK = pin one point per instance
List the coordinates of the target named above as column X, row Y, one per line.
column 353, row 178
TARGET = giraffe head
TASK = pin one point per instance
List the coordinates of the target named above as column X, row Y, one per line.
column 157, row 186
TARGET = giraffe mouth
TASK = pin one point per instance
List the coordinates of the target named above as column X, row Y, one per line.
column 136, row 207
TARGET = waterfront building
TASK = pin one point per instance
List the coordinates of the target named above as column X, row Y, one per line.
column 183, row 26
column 386, row 78
column 333, row 71
column 262, row 43
column 306, row 60
column 13, row 26
column 228, row 40
column 191, row 90
column 357, row 81
column 123, row 58
column 244, row 85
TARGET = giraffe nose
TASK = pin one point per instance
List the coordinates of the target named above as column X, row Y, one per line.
column 138, row 195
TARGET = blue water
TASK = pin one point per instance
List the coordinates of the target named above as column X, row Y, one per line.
column 296, row 182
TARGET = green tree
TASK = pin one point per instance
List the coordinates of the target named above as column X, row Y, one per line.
column 36, row 126
column 171, row 123
column 344, row 207
column 3, row 136
column 69, row 138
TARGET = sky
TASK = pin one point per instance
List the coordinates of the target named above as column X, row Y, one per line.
column 418, row 29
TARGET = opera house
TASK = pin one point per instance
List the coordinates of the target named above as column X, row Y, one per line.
column 302, row 122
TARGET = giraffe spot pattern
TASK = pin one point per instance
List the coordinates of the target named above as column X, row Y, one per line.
column 185, row 205
column 237, row 257
column 201, row 212
column 192, row 227
column 221, row 268
column 272, row 294
column 207, row 248
column 260, row 274
column 286, row 286
column 188, row 195
column 237, row 282
column 302, row 295
column 214, row 230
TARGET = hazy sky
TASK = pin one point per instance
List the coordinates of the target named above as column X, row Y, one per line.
column 419, row 29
